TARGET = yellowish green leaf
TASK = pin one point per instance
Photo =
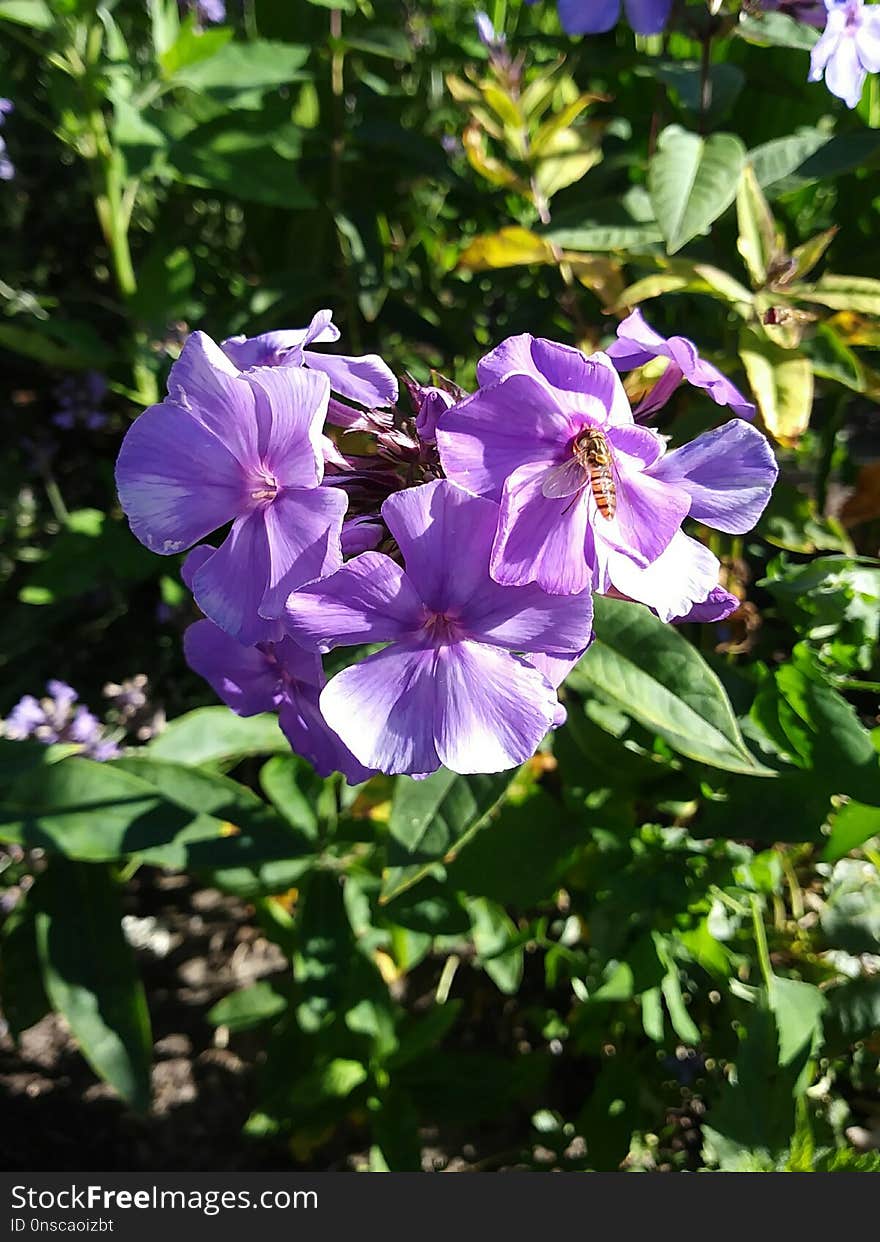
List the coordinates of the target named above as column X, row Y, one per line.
column 509, row 247
column 782, row 382
column 757, row 241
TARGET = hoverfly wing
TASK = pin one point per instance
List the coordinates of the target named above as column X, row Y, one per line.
column 564, row 480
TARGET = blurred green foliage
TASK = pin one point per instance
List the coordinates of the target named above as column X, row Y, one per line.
column 656, row 945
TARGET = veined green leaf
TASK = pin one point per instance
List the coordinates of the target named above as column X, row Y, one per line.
column 692, row 181
column 654, row 674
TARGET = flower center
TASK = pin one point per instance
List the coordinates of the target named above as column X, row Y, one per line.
column 264, row 487
column 442, row 629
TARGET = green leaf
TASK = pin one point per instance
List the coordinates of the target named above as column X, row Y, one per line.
column 757, row 241
column 241, row 157
column 853, row 825
column 848, row 293
column 334, row 1081
column 777, row 30
column 191, row 46
column 92, row 811
column 90, row 976
column 278, row 780
column 248, row 1008
column 797, row 1008
column 692, row 181
column 434, row 818
column 33, row 13
column 854, row 1007
column 243, row 68
column 654, row 674
column 21, row 981
column 782, row 381
column 217, row 735
column 496, row 940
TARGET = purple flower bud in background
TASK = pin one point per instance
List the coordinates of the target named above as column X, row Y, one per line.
column 848, row 49
column 211, row 10
column 273, row 677
column 638, row 343
column 7, row 168
column 448, row 689
column 489, row 37
column 58, row 718
column 245, row 448
column 646, row 17
column 366, row 380
column 432, row 403
column 362, row 534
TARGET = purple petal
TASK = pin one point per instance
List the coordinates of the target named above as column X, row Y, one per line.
column 526, row 618
column 243, row 677
column 434, row 403
column 176, row 481
column 194, row 562
column 207, row 384
column 844, row 75
column 554, row 668
column 485, row 438
column 303, row 528
column 826, row 45
column 445, row 536
column 369, row 600
column 640, row 444
column 367, row 380
column 717, row 606
column 636, row 344
column 362, row 534
column 682, row 575
column 492, row 709
column 383, row 709
column 659, row 394
column 588, row 16
column 729, row 474
column 310, row 736
column 581, row 385
column 291, row 407
column 230, row 585
column 649, row 512
column 647, row 17
column 540, row 539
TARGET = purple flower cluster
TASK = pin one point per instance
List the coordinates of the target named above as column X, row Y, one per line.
column 59, row 718
column 464, row 550
column 79, row 401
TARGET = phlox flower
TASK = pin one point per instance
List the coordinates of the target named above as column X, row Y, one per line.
column 848, row 49
column 637, row 343
column 59, row 717
column 449, row 688
column 273, row 677
column 515, row 441
column 365, row 379
column 245, row 448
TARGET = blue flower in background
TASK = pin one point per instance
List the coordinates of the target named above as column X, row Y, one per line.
column 596, row 16
column 848, row 50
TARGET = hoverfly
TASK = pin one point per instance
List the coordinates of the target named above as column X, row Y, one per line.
column 590, row 463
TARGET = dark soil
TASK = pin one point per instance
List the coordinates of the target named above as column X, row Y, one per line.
column 193, row 946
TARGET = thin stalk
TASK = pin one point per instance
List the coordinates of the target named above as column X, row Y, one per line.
column 761, row 943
